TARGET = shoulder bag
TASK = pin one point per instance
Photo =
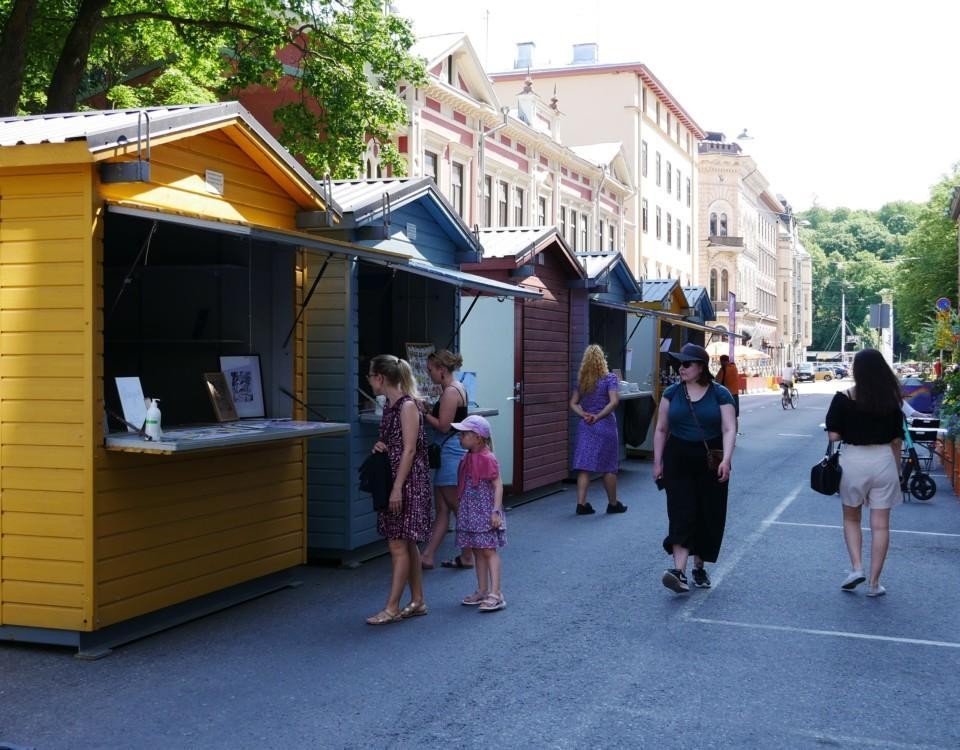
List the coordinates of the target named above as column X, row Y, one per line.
column 825, row 474
column 714, row 455
column 377, row 479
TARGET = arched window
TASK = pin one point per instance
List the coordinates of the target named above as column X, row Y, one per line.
column 724, row 283
column 723, row 225
column 713, row 284
column 713, row 225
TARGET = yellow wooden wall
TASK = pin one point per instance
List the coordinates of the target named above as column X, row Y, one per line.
column 170, row 528
column 46, row 331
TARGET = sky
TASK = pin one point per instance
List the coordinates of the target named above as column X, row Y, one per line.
column 848, row 103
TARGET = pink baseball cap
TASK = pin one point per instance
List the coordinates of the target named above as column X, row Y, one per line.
column 473, row 423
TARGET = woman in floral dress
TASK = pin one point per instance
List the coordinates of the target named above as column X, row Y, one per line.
column 407, row 518
column 597, row 447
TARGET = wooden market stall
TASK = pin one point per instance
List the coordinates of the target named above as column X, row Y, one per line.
column 416, row 301
column 547, row 339
column 148, row 244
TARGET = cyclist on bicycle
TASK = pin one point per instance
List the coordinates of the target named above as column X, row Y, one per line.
column 787, row 378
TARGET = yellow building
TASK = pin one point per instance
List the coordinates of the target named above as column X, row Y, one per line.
column 150, row 244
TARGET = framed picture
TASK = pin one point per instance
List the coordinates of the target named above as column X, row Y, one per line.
column 246, row 384
column 220, row 397
column 417, row 355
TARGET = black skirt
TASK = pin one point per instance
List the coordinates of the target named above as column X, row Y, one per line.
column 696, row 501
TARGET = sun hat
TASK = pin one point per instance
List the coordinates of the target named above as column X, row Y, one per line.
column 473, row 423
column 691, row 353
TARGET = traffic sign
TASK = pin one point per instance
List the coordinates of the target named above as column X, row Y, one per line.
column 943, row 304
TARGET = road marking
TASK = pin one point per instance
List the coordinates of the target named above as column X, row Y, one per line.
column 892, row 531
column 839, row 739
column 721, row 571
column 834, row 633
column 792, row 434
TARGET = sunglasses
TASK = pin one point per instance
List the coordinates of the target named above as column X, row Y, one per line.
column 684, row 365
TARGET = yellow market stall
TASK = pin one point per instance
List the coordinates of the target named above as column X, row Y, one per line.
column 153, row 245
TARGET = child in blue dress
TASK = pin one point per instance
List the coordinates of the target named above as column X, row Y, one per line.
column 481, row 525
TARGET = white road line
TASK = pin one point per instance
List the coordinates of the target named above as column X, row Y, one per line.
column 720, row 572
column 892, row 531
column 835, row 633
column 793, row 434
column 837, row 739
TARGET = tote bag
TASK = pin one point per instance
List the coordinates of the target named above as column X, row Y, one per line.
column 825, row 474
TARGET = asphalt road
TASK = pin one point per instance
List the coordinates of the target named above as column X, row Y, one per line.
column 591, row 651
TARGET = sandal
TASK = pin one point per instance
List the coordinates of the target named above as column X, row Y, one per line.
column 493, row 603
column 477, row 597
column 456, row 562
column 413, row 609
column 384, row 617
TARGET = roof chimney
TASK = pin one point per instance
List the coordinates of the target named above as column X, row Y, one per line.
column 524, row 55
column 585, row 54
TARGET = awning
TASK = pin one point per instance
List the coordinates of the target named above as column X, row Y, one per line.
column 257, row 232
column 464, row 280
column 672, row 318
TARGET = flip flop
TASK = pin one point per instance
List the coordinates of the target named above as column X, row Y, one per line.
column 455, row 563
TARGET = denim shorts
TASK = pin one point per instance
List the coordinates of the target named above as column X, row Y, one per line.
column 450, row 455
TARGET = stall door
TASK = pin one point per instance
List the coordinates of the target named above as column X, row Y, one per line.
column 544, row 366
column 487, row 346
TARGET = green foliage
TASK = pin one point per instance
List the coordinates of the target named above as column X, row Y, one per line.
column 345, row 60
column 949, row 411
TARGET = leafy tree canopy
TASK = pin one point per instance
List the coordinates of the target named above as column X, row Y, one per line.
column 341, row 62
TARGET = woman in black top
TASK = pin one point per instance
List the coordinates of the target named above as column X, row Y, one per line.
column 867, row 418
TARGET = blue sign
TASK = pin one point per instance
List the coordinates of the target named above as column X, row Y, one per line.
column 943, row 304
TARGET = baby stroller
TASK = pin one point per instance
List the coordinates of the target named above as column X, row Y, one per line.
column 915, row 476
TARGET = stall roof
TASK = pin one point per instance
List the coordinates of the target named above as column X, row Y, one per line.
column 599, row 264
column 663, row 315
column 699, row 300
column 658, row 290
column 516, row 243
column 364, row 202
column 105, row 131
column 256, row 232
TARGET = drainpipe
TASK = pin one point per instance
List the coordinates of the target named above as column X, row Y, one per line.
column 505, row 111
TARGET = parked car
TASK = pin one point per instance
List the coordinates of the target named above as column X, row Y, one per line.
column 841, row 371
column 804, row 372
column 824, row 372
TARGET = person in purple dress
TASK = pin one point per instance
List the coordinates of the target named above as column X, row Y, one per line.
column 597, row 447
column 481, row 526
column 407, row 518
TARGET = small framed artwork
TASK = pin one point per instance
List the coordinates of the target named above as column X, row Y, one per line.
column 220, row 398
column 246, row 384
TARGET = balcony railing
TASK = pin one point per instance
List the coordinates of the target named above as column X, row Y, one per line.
column 721, row 305
column 717, row 240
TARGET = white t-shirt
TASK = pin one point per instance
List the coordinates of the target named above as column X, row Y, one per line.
column 786, row 375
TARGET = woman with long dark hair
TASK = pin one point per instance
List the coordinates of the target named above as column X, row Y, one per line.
column 868, row 419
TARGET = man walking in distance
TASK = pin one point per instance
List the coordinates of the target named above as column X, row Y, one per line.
column 729, row 377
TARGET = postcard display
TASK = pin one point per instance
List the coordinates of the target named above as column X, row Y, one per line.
column 185, row 309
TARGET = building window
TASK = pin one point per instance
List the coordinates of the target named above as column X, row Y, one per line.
column 502, row 196
column 669, row 178
column 657, row 112
column 689, row 195
column 643, row 215
column 573, row 230
column 487, row 202
column 678, row 131
column 659, row 224
column 723, row 225
column 724, row 284
column 584, row 232
column 713, row 224
column 713, row 284
column 456, row 187
column 643, row 98
column 600, row 234
column 542, row 211
column 678, row 184
column 658, row 167
column 689, row 239
column 668, row 124
column 518, row 196
column 612, row 231
column 688, row 142
column 431, row 166
column 669, row 229
column 678, row 234
column 643, row 157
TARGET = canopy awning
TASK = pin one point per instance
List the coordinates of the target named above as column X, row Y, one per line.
column 672, row 318
column 464, row 280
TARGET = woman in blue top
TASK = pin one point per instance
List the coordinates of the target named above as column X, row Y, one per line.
column 693, row 412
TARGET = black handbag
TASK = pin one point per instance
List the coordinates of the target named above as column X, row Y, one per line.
column 377, row 479
column 825, row 474
column 435, row 453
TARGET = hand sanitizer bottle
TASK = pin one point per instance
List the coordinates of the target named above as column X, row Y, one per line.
column 152, row 426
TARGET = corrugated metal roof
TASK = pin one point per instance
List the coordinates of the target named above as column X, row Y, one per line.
column 509, row 242
column 597, row 263
column 657, row 289
column 106, row 129
column 433, row 46
column 693, row 294
column 600, row 154
column 352, row 195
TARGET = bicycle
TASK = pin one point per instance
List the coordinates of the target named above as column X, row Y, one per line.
column 789, row 396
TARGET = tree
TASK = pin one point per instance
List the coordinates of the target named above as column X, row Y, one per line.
column 343, row 61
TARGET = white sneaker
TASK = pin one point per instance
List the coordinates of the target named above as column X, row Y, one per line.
column 877, row 590
column 853, row 579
